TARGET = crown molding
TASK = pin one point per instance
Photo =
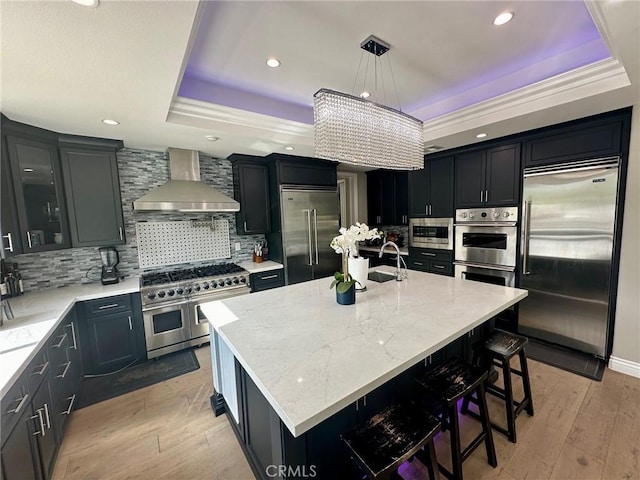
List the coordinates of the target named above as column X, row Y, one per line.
column 594, row 79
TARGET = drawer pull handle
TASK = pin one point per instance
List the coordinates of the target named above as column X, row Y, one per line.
column 20, row 405
column 10, row 246
column 42, row 369
column 130, row 324
column 269, row 276
column 111, row 305
column 427, row 254
column 66, row 369
column 418, row 263
column 72, row 400
column 73, row 335
column 62, row 338
column 40, row 420
column 46, row 412
column 439, row 266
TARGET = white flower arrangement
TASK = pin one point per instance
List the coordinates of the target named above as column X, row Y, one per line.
column 347, row 242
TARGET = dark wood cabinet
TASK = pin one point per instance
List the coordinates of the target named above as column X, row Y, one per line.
column 111, row 333
column 46, row 435
column 431, row 189
column 39, row 199
column 251, row 190
column 488, row 177
column 266, row 280
column 430, row 260
column 20, row 456
column 92, row 191
column 9, row 227
column 294, row 170
column 387, row 197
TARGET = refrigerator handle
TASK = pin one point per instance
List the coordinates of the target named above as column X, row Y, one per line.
column 315, row 231
column 526, row 225
column 308, row 212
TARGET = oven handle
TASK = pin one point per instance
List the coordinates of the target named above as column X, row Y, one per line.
column 485, row 224
column 164, row 305
column 526, row 224
column 485, row 266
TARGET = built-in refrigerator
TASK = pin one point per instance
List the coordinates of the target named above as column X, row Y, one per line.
column 568, row 229
column 310, row 219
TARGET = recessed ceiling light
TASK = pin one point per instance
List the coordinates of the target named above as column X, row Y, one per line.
column 481, row 135
column 503, row 18
column 107, row 121
column 212, row 138
column 28, row 170
column 273, row 62
column 87, row 3
column 289, row 147
column 365, row 95
column 433, row 148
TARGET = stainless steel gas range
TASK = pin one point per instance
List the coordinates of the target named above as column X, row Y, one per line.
column 171, row 303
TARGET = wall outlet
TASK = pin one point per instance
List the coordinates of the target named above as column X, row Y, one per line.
column 237, row 246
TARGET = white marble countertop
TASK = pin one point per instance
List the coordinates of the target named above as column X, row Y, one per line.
column 37, row 314
column 310, row 357
column 404, row 251
column 253, row 267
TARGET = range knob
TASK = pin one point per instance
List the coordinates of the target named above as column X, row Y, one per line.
column 505, row 214
column 471, row 214
column 196, row 288
column 463, row 214
column 171, row 292
column 235, row 280
column 205, row 285
column 161, row 294
column 496, row 214
column 187, row 290
column 179, row 291
column 151, row 296
column 243, row 280
column 227, row 281
column 221, row 283
column 214, row 285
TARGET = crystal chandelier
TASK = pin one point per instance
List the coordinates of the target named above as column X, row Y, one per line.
column 357, row 131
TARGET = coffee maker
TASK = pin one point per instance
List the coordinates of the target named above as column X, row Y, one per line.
column 110, row 259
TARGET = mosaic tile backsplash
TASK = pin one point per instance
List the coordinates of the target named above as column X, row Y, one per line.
column 140, row 171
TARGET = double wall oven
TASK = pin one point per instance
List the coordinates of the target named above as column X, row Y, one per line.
column 485, row 245
column 171, row 303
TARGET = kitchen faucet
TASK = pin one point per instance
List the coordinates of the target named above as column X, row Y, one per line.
column 398, row 273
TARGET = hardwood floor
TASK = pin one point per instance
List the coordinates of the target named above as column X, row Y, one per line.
column 582, row 429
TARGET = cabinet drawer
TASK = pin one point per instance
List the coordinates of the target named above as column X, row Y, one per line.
column 418, row 264
column 15, row 401
column 443, row 268
column 107, row 306
column 266, row 280
column 37, row 370
column 431, row 254
column 57, row 346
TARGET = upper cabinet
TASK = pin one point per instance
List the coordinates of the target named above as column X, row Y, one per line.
column 58, row 191
column 387, row 197
column 92, row 190
column 431, row 189
column 488, row 177
column 251, row 190
column 37, row 188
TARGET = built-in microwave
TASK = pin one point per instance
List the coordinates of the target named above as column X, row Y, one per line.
column 431, row 233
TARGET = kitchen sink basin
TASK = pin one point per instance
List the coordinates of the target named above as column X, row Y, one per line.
column 380, row 277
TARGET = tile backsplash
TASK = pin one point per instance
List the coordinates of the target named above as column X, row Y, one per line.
column 140, row 171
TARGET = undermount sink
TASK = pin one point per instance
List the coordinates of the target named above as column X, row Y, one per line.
column 380, row 277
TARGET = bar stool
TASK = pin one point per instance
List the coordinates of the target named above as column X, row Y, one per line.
column 500, row 347
column 385, row 441
column 448, row 383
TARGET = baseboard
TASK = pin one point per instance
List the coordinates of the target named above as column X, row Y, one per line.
column 624, row 366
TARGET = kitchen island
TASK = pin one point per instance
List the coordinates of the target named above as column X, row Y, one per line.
column 296, row 369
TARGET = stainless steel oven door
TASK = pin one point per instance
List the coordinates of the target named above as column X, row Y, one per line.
column 505, row 277
column 164, row 326
column 200, row 323
column 431, row 233
column 493, row 245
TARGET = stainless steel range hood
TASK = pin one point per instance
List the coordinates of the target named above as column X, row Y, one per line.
column 185, row 192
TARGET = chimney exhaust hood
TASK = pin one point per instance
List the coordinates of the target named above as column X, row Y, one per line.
column 185, row 192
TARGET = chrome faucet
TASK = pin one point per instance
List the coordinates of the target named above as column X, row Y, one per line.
column 398, row 273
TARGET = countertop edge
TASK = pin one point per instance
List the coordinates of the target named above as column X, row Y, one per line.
column 265, row 266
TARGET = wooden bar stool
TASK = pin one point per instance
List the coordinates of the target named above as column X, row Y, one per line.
column 448, row 383
column 500, row 347
column 382, row 443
